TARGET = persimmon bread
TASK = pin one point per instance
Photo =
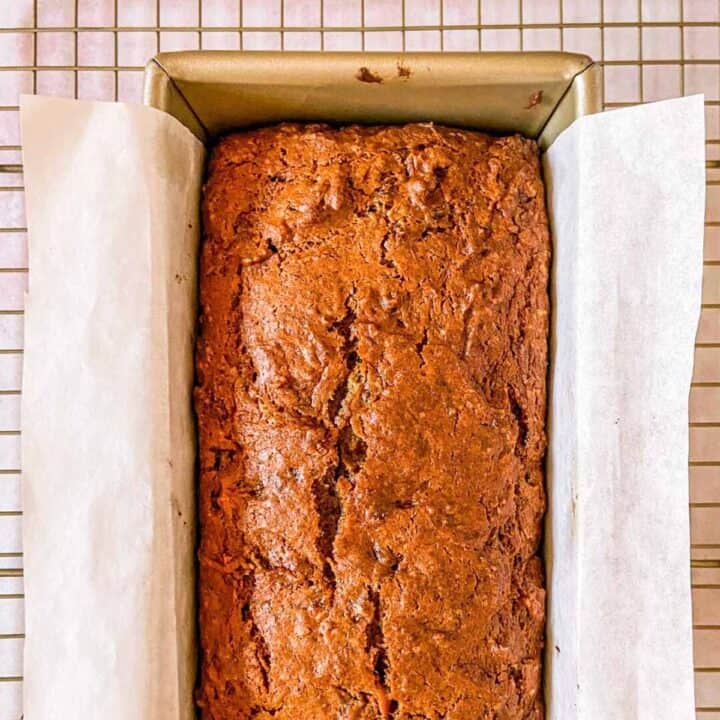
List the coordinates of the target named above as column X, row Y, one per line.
column 371, row 397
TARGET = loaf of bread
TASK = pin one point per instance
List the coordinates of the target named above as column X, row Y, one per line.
column 371, row 397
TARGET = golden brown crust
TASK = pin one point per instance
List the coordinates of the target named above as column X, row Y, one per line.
column 371, row 400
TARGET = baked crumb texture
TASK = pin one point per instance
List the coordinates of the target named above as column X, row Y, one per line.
column 371, row 392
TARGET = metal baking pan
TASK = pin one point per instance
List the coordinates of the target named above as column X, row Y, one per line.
column 535, row 94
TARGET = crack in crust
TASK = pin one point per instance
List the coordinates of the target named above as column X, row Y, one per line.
column 375, row 647
column 329, row 508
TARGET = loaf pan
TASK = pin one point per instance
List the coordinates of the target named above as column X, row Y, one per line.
column 535, row 94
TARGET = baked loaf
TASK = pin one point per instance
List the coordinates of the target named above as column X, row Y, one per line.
column 371, row 392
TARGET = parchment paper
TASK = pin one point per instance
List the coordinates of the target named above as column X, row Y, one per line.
column 108, row 445
column 627, row 193
column 108, row 450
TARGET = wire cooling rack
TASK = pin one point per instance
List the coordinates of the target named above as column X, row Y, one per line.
column 96, row 49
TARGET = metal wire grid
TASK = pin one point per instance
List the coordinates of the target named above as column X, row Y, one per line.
column 97, row 49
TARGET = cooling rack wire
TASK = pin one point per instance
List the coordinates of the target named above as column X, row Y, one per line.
column 96, row 49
